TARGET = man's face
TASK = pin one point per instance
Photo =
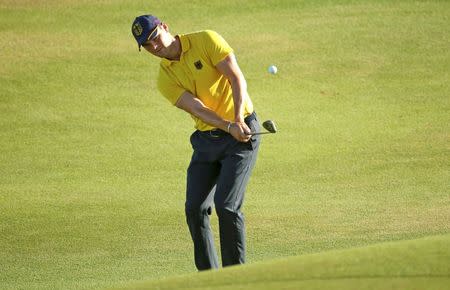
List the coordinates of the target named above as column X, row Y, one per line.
column 159, row 42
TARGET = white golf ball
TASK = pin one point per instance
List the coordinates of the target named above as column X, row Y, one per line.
column 272, row 69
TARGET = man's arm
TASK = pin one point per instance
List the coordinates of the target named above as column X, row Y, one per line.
column 195, row 107
column 230, row 69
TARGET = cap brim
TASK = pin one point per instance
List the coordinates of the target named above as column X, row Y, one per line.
column 153, row 34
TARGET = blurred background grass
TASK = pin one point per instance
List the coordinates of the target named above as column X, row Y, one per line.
column 93, row 158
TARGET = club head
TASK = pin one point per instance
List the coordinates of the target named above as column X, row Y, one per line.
column 270, row 126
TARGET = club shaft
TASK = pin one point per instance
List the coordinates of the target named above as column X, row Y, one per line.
column 259, row 133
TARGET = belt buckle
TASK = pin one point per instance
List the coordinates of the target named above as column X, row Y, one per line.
column 217, row 131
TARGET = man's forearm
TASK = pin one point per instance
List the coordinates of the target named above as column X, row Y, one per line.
column 195, row 107
column 211, row 118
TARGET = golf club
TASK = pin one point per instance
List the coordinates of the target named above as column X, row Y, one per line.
column 269, row 125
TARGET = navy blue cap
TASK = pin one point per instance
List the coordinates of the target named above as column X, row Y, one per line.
column 143, row 26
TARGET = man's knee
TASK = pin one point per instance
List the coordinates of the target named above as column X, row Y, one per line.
column 195, row 214
column 226, row 212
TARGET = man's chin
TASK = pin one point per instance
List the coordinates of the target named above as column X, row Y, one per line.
column 160, row 54
column 157, row 54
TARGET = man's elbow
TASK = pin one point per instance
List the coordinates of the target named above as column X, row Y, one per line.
column 197, row 110
column 237, row 81
column 192, row 106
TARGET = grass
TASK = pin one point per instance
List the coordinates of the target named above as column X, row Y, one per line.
column 414, row 264
column 93, row 159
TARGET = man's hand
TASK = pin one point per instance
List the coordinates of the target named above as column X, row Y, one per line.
column 240, row 131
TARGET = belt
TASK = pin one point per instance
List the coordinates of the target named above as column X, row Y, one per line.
column 216, row 133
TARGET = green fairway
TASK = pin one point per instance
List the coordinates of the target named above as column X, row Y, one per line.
column 93, row 158
column 417, row 264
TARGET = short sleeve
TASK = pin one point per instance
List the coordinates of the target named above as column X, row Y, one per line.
column 168, row 86
column 216, row 47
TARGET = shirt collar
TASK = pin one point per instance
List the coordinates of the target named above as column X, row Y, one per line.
column 185, row 46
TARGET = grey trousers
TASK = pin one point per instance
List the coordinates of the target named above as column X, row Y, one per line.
column 219, row 172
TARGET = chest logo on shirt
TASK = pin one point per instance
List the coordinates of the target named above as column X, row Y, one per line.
column 198, row 64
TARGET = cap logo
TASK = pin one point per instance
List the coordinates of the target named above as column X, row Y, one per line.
column 137, row 29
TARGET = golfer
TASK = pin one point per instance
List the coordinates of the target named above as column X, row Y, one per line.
column 199, row 74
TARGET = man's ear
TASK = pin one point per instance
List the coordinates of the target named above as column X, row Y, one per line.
column 165, row 26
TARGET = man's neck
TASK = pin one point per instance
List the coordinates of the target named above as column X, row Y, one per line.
column 175, row 49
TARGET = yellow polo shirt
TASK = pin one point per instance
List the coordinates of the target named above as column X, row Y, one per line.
column 196, row 73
